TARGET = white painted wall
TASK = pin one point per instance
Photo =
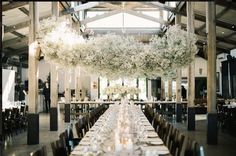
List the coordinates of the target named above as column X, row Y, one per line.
column 94, row 87
column 200, row 63
column 8, row 87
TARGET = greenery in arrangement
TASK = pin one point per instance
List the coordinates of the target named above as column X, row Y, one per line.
column 117, row 56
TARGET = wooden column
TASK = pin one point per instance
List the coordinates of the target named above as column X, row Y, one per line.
column 191, row 71
column 67, row 81
column 33, row 116
column 211, row 62
column 54, row 72
column 33, row 58
column 149, row 89
column 178, row 83
column 2, row 32
column 179, row 70
column 163, row 95
column 211, row 73
column 169, row 90
column 77, row 83
column 54, row 83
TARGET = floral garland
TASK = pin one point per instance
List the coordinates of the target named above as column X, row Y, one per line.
column 121, row 90
column 117, row 56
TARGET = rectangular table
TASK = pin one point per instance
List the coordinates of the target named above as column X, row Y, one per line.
column 152, row 143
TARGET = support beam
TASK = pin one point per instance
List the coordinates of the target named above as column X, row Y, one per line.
column 198, row 16
column 211, row 63
column 191, row 71
column 88, row 20
column 169, row 90
column 14, row 41
column 33, row 124
column 161, row 21
column 33, row 62
column 18, row 26
column 16, row 51
column 179, row 70
column 67, row 82
column 163, row 95
column 82, row 7
column 13, row 5
column 78, row 84
column 149, row 89
column 18, row 34
column 54, row 83
column 202, row 36
column 211, row 74
column 217, row 16
column 24, row 10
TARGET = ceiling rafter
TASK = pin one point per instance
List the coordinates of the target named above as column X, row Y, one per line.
column 161, row 21
column 24, row 10
column 16, row 51
column 197, row 15
column 218, row 38
column 226, row 3
column 217, row 16
column 87, row 20
column 13, row 5
column 14, row 41
column 82, row 7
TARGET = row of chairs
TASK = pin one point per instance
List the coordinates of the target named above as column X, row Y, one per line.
column 171, row 136
column 40, row 152
column 14, row 120
column 67, row 142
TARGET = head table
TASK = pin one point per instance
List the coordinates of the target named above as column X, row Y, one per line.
column 122, row 130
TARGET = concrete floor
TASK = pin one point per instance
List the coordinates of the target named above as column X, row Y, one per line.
column 17, row 145
column 226, row 143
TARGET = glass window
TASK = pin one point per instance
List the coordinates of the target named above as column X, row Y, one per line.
column 103, row 85
column 142, row 86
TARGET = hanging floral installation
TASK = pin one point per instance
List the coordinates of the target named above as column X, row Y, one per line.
column 59, row 42
column 116, row 56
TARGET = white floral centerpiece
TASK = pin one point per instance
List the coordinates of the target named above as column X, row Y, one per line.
column 121, row 90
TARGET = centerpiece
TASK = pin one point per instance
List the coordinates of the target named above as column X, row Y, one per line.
column 121, row 91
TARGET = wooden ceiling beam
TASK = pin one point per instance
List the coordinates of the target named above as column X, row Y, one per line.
column 13, row 5
column 197, row 15
column 16, row 51
column 217, row 16
column 14, row 41
column 110, row 13
column 24, row 10
column 161, row 21
column 226, row 3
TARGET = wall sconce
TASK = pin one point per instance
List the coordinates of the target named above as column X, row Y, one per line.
column 200, row 71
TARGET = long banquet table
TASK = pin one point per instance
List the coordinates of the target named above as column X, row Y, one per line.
column 122, row 130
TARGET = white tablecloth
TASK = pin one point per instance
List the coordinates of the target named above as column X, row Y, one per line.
column 149, row 145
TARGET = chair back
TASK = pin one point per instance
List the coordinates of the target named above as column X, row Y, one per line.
column 58, row 148
column 40, row 152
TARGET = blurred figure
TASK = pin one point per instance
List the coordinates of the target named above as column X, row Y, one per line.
column 183, row 92
column 46, row 93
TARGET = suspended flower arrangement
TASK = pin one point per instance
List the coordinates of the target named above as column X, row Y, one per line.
column 117, row 56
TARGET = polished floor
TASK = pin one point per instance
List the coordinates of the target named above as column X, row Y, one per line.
column 17, row 145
